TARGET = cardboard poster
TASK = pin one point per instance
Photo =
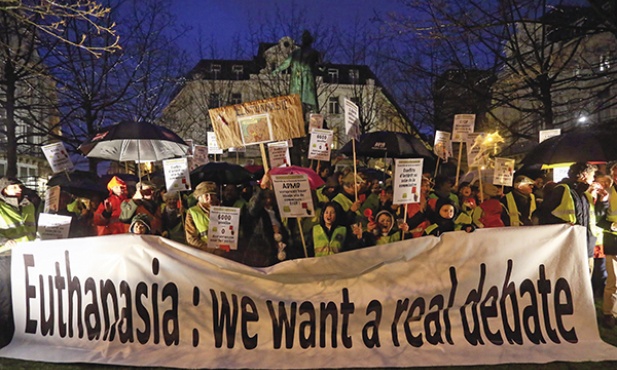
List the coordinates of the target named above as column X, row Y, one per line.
column 352, row 119
column 443, row 145
column 463, row 125
column 52, row 199
column 504, row 171
column 407, row 180
column 286, row 119
column 213, row 146
column 474, row 149
column 293, row 195
column 320, row 145
column 278, row 154
column 53, row 226
column 177, row 174
column 223, row 228
column 315, row 122
column 58, row 157
column 547, row 134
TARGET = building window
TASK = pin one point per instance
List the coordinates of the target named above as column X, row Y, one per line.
column 333, row 106
column 237, row 70
column 214, row 101
column 333, row 75
column 236, row 98
column 215, row 69
column 354, row 75
column 31, row 172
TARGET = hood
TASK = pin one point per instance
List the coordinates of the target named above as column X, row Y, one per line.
column 389, row 215
column 6, row 181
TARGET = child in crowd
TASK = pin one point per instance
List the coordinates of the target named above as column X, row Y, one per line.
column 443, row 219
column 383, row 228
column 140, row 224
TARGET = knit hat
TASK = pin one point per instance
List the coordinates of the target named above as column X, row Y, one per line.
column 115, row 181
column 140, row 218
column 205, row 187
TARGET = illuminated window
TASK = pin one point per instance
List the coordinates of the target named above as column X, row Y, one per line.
column 333, row 106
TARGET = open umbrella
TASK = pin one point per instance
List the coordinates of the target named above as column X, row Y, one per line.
column 574, row 146
column 389, row 144
column 79, row 183
column 134, row 141
column 314, row 180
column 221, row 173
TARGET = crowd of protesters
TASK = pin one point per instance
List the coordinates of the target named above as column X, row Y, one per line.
column 353, row 210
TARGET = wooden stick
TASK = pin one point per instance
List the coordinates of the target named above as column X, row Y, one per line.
column 264, row 157
column 299, row 221
column 458, row 165
column 436, row 167
column 355, row 170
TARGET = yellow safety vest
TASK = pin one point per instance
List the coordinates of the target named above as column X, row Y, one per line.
column 611, row 212
column 17, row 224
column 342, row 199
column 565, row 209
column 324, row 246
column 201, row 219
column 515, row 215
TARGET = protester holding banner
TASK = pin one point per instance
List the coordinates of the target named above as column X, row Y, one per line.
column 443, row 219
column 144, row 202
column 383, row 227
column 17, row 215
column 330, row 236
column 140, row 225
column 491, row 208
column 107, row 216
column 263, row 229
column 520, row 203
column 570, row 202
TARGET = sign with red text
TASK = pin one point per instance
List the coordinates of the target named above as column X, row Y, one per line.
column 504, row 171
column 57, row 157
column 223, row 229
column 443, row 145
column 315, row 122
column 320, row 145
column 213, row 146
column 463, row 125
column 177, row 174
column 278, row 154
column 293, row 195
column 407, row 180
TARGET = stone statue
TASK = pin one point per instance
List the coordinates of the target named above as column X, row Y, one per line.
column 304, row 62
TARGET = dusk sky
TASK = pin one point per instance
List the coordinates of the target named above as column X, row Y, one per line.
column 224, row 19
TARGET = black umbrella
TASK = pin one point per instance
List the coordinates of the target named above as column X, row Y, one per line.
column 221, row 173
column 389, row 144
column 134, row 141
column 574, row 146
column 79, row 183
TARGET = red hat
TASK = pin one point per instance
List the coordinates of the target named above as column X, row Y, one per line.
column 115, row 181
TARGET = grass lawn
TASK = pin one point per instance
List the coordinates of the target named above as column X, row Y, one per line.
column 608, row 335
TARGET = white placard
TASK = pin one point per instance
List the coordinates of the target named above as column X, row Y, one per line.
column 503, row 172
column 177, row 174
column 223, row 228
column 352, row 119
column 278, row 153
column 53, row 226
column 547, row 134
column 293, row 195
column 443, row 145
column 213, row 145
column 200, row 156
column 320, row 145
column 407, row 180
column 463, row 125
column 315, row 122
column 560, row 173
column 474, row 147
column 58, row 157
column 52, row 199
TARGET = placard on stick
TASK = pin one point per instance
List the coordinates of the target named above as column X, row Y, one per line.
column 223, row 228
column 293, row 195
column 286, row 119
column 407, row 180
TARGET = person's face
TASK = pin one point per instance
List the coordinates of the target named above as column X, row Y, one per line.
column 140, row 228
column 385, row 196
column 118, row 189
column 466, row 191
column 171, row 203
column 425, row 187
column 13, row 190
column 385, row 222
column 614, row 174
column 447, row 211
column 329, row 216
column 605, row 182
column 587, row 177
column 539, row 182
column 525, row 189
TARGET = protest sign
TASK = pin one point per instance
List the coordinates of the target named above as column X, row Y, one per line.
column 443, row 145
column 52, row 199
column 200, row 156
column 278, row 154
column 52, row 226
column 315, row 122
column 213, row 146
column 465, row 299
column 463, row 125
column 285, row 118
column 352, row 119
column 255, row 129
column 407, row 180
column 58, row 157
column 177, row 174
column 474, row 150
column 547, row 134
column 224, row 227
column 293, row 195
column 503, row 172
column 320, row 145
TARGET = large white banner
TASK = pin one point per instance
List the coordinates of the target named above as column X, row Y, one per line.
column 492, row 296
